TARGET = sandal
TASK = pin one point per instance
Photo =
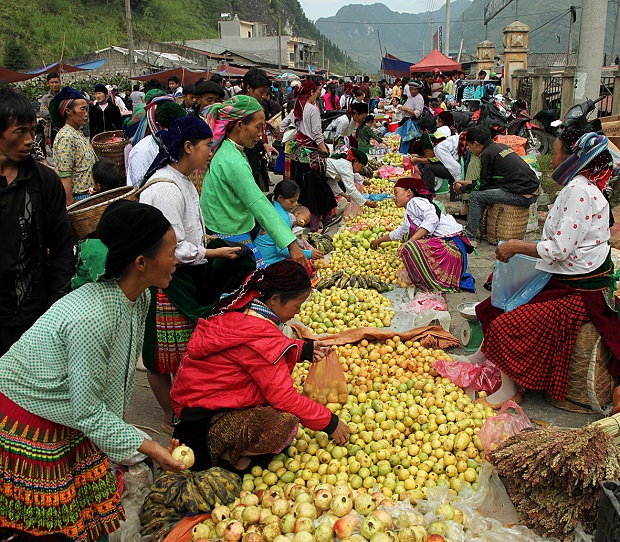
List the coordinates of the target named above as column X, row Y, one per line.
column 517, row 398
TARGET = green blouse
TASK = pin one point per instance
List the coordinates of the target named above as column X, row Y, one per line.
column 364, row 135
column 76, row 365
column 232, row 202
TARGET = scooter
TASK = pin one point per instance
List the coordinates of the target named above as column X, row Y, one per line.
column 522, row 125
column 577, row 117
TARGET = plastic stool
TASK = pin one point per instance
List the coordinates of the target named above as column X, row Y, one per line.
column 442, row 186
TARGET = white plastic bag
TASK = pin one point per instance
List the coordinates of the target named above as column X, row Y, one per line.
column 137, row 480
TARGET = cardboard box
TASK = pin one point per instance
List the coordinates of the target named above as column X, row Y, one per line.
column 611, row 126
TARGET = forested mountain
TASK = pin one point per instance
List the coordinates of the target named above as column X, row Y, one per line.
column 356, row 28
column 47, row 29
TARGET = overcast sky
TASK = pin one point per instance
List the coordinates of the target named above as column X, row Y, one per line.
column 314, row 9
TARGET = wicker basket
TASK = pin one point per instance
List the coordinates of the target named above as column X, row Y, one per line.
column 506, row 222
column 197, row 177
column 114, row 150
column 84, row 215
column 590, row 385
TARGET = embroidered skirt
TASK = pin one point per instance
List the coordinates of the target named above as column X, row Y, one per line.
column 433, row 264
column 54, row 479
column 174, row 330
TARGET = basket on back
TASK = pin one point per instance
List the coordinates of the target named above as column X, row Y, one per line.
column 84, row 215
column 111, row 145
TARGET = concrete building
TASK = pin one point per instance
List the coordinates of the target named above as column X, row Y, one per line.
column 253, row 41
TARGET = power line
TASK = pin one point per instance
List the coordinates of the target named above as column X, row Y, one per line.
column 457, row 20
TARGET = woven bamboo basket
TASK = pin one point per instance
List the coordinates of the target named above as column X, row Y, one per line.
column 197, row 177
column 112, row 150
column 590, row 385
column 506, row 222
column 84, row 215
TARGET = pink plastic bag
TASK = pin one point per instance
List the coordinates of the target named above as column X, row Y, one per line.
column 483, row 376
column 506, row 424
column 352, row 209
column 428, row 300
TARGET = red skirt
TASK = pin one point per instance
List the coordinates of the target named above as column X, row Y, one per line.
column 53, row 479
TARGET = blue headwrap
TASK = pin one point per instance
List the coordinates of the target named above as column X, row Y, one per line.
column 171, row 141
column 590, row 155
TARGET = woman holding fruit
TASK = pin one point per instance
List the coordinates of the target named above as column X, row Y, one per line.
column 533, row 343
column 435, row 254
column 66, row 384
column 234, row 395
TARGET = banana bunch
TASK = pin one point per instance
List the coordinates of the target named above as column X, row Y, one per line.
column 173, row 495
column 321, row 241
column 340, row 279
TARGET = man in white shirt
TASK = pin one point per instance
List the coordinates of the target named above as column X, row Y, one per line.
column 445, row 164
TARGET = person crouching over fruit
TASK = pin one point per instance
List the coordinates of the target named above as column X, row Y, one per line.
column 435, row 252
column 233, row 394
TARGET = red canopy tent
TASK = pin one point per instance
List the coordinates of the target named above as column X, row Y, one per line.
column 435, row 59
column 9, row 76
column 186, row 76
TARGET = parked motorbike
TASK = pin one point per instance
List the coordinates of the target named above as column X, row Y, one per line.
column 522, row 125
column 577, row 117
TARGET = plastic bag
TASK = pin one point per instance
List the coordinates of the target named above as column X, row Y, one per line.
column 516, row 282
column 480, row 376
column 409, row 130
column 515, row 142
column 497, row 429
column 428, row 300
column 353, row 209
column 581, row 535
column 137, row 481
column 326, row 382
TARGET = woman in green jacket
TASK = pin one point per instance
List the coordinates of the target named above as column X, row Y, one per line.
column 231, row 201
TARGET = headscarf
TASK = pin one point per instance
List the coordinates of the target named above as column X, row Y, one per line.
column 138, row 111
column 283, row 276
column 415, row 184
column 126, row 230
column 220, row 115
column 356, row 154
column 396, row 81
column 415, row 83
column 99, row 87
column 171, row 141
column 148, row 125
column 301, row 95
column 590, row 158
column 61, row 102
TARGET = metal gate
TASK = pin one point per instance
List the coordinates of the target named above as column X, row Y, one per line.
column 605, row 107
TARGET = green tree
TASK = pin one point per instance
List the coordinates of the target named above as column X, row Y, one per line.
column 16, row 56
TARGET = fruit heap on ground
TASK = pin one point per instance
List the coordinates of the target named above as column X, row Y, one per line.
column 391, row 141
column 410, row 431
column 354, row 256
column 173, row 496
column 393, row 158
column 335, row 309
column 379, row 185
column 386, row 215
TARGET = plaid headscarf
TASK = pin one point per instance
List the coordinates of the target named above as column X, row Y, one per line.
column 220, row 115
column 590, row 158
column 301, row 95
column 148, row 124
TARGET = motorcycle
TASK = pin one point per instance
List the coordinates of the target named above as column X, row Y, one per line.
column 577, row 117
column 522, row 125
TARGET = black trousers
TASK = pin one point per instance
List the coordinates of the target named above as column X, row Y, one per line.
column 10, row 335
column 432, row 170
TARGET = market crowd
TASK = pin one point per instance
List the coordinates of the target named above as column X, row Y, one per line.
column 198, row 284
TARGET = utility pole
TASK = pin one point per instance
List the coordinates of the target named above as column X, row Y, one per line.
column 447, row 35
column 279, row 47
column 323, row 63
column 129, row 36
column 613, row 47
column 573, row 18
column 431, row 46
column 345, row 63
column 591, row 48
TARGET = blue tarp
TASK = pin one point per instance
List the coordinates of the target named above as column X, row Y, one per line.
column 395, row 67
column 61, row 66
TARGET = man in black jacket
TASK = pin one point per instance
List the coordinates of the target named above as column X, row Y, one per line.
column 36, row 252
column 504, row 178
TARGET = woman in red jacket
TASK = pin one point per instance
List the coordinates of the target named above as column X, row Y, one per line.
column 233, row 394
